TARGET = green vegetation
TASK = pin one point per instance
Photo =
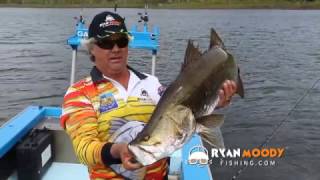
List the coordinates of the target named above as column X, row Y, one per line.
column 192, row 4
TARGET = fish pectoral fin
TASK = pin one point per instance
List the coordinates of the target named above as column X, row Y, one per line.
column 211, row 121
column 211, row 136
column 208, row 128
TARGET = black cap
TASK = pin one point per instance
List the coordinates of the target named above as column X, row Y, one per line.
column 106, row 23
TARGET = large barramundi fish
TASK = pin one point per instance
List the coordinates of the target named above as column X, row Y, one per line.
column 186, row 106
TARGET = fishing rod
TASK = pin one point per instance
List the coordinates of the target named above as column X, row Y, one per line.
column 75, row 41
column 115, row 6
column 81, row 17
column 278, row 126
column 144, row 17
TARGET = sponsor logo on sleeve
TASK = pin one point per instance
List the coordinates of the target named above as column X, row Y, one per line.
column 107, row 103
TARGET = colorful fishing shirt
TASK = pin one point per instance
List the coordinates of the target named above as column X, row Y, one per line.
column 96, row 107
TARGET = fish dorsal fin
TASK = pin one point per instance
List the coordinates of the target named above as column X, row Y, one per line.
column 192, row 54
column 215, row 40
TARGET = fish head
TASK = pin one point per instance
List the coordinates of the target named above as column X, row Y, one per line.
column 174, row 129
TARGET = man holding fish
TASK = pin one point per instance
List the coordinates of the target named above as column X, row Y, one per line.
column 112, row 117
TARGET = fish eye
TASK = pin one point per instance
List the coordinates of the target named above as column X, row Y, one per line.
column 157, row 143
column 146, row 138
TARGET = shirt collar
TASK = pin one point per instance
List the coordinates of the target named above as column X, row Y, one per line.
column 97, row 76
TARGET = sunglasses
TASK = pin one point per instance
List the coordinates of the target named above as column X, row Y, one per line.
column 106, row 43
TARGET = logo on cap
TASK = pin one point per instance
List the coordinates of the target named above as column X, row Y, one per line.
column 109, row 21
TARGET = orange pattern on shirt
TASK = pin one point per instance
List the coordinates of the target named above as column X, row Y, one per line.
column 89, row 129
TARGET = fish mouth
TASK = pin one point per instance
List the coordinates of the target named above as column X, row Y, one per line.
column 144, row 156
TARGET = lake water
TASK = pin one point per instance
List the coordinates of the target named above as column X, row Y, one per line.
column 278, row 52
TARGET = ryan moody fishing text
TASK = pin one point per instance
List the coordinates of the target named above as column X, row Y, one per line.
column 248, row 157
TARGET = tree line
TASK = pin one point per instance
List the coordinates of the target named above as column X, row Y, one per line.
column 151, row 2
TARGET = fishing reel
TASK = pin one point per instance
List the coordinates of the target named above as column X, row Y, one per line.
column 143, row 17
column 79, row 20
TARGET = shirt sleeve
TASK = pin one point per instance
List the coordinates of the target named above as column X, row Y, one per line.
column 80, row 122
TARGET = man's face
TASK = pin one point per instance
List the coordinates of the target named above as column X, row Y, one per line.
column 111, row 54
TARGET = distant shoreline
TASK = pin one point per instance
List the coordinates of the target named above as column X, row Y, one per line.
column 276, row 5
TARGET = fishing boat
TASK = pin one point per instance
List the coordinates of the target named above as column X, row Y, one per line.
column 33, row 145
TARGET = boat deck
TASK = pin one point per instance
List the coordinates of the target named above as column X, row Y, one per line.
column 65, row 164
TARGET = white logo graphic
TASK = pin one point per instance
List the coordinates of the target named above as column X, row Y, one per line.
column 109, row 18
column 109, row 21
column 82, row 34
column 198, row 155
